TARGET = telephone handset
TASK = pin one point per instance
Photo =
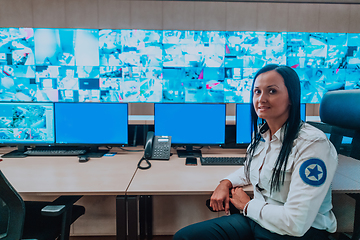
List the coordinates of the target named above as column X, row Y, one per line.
column 156, row 147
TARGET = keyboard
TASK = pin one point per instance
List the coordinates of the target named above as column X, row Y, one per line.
column 54, row 152
column 222, row 160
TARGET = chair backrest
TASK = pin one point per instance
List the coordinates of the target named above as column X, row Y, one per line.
column 341, row 109
column 12, row 211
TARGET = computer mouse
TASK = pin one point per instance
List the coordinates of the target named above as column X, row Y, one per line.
column 83, row 158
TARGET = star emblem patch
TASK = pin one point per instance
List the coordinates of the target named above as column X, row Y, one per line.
column 313, row 172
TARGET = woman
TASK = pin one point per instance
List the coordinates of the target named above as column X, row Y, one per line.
column 290, row 165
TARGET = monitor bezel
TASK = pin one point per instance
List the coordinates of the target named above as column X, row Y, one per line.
column 242, row 144
column 194, row 144
column 93, row 145
column 24, row 144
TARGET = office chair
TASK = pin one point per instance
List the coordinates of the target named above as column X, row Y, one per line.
column 35, row 220
column 341, row 110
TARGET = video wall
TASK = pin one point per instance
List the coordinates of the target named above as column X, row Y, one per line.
column 92, row 65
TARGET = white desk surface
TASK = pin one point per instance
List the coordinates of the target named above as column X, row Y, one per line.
column 347, row 177
column 112, row 175
column 66, row 176
column 173, row 177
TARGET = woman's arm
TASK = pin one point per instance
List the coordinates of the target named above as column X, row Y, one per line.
column 311, row 178
column 219, row 200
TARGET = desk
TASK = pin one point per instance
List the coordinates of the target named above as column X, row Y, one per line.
column 119, row 176
column 175, row 178
column 347, row 180
column 52, row 176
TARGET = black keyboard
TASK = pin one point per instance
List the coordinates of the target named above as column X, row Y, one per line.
column 54, row 152
column 222, row 160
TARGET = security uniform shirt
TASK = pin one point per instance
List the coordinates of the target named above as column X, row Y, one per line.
column 304, row 200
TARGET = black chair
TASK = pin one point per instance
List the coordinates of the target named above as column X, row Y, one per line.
column 341, row 110
column 35, row 220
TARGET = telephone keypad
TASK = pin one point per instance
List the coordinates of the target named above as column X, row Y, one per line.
column 161, row 148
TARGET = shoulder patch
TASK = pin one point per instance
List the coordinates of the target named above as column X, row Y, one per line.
column 313, row 172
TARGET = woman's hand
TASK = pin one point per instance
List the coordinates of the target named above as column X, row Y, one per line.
column 219, row 200
column 239, row 198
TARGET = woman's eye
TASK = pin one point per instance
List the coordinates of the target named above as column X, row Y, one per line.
column 272, row 91
column 256, row 91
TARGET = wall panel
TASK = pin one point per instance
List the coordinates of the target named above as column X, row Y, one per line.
column 49, row 13
column 81, row 14
column 241, row 16
column 16, row 13
column 354, row 26
column 179, row 15
column 141, row 108
column 303, row 17
column 272, row 17
column 114, row 14
column 146, row 15
column 210, row 16
column 334, row 18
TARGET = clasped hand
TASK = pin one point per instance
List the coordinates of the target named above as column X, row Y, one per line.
column 220, row 198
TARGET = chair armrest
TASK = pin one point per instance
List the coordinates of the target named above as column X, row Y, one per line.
column 59, row 205
column 53, row 210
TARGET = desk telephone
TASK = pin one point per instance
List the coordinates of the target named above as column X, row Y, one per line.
column 157, row 147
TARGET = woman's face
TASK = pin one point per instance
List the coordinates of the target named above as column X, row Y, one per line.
column 270, row 98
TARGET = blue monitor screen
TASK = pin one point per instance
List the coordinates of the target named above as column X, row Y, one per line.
column 195, row 124
column 243, row 122
column 91, row 123
column 303, row 112
column 26, row 123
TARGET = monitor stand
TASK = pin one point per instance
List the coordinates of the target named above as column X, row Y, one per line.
column 189, row 152
column 95, row 152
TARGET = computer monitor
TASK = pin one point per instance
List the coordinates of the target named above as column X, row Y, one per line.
column 91, row 124
column 243, row 122
column 26, row 123
column 191, row 124
column 303, row 111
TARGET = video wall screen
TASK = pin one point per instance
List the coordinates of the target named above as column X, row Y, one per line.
column 92, row 65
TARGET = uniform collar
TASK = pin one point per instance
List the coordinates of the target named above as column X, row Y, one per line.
column 264, row 132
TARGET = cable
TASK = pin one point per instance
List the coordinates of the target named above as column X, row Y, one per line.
column 146, row 167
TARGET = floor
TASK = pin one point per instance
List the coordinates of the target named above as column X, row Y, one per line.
column 334, row 236
column 114, row 238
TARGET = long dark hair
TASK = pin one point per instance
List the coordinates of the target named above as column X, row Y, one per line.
column 291, row 126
